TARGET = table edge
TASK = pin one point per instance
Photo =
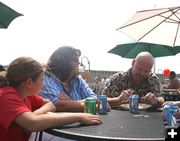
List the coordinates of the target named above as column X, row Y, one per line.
column 77, row 136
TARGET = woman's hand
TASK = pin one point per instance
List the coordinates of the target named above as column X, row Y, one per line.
column 63, row 96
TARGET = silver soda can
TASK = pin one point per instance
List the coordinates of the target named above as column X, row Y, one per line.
column 171, row 115
column 103, row 104
column 133, row 103
column 90, row 106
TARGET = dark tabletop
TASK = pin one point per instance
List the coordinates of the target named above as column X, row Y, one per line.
column 117, row 125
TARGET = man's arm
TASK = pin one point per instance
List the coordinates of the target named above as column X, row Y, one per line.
column 153, row 99
column 114, row 86
column 154, row 96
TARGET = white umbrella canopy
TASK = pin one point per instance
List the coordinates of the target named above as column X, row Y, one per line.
column 160, row 26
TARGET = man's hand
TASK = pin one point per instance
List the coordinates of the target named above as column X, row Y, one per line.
column 124, row 96
column 150, row 98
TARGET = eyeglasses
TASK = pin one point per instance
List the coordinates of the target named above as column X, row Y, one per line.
column 75, row 59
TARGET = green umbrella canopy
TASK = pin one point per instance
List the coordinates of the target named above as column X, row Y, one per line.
column 7, row 15
column 176, row 49
column 130, row 50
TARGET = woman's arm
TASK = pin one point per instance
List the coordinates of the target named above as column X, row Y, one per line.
column 65, row 103
column 70, row 105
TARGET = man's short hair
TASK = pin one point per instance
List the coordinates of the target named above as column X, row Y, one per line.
column 172, row 74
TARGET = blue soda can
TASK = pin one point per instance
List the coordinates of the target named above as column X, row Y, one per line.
column 171, row 115
column 103, row 104
column 90, row 106
column 133, row 103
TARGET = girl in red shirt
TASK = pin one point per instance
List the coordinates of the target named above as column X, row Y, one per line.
column 22, row 110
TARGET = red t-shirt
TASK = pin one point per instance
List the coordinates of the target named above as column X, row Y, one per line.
column 11, row 106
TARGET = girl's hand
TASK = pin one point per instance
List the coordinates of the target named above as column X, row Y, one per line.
column 88, row 119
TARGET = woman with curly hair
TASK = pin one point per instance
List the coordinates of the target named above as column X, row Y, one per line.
column 63, row 85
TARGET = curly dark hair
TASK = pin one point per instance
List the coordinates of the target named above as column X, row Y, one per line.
column 59, row 62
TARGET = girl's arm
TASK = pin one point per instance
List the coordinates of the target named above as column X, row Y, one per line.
column 47, row 107
column 33, row 122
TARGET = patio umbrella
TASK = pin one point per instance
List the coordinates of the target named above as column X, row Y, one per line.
column 176, row 49
column 159, row 26
column 130, row 50
column 7, row 15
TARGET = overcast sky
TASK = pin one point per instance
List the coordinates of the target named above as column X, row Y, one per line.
column 89, row 25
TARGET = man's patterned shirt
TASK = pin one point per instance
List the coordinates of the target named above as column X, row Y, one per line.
column 122, row 81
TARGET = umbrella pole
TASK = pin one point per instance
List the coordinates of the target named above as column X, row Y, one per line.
column 154, row 66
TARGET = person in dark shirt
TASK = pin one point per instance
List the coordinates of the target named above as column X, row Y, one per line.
column 174, row 81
